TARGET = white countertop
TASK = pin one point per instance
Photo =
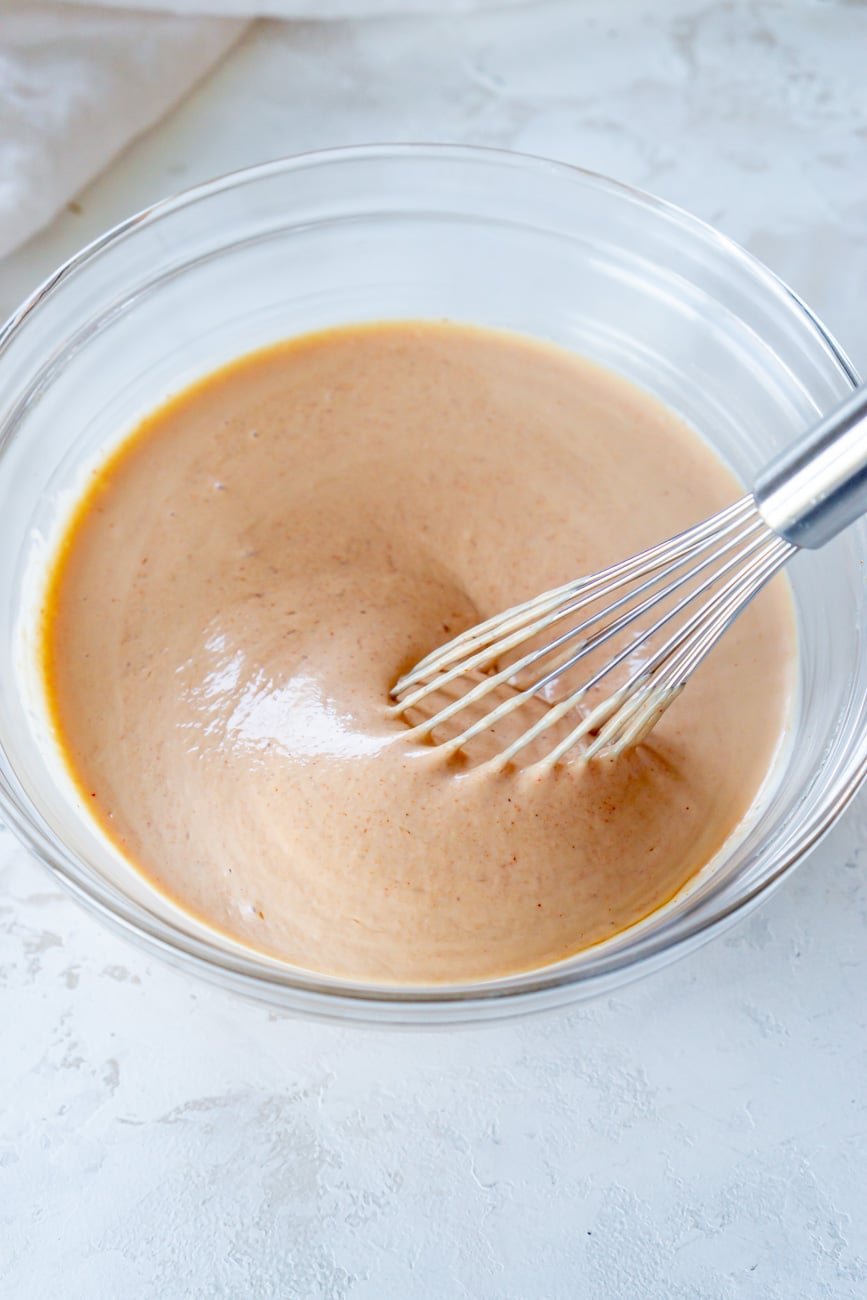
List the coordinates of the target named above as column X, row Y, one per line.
column 703, row 1133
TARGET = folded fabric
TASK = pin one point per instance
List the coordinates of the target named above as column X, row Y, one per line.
column 76, row 85
column 79, row 82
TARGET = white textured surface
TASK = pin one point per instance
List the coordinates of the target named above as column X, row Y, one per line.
column 704, row 1133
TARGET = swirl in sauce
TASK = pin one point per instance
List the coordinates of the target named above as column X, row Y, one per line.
column 251, row 571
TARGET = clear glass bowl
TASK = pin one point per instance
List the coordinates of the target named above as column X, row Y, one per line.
column 425, row 232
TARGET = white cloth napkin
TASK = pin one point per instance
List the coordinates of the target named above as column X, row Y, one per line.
column 76, row 85
column 79, row 82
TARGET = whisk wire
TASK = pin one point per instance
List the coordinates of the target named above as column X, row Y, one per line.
column 692, row 586
column 592, row 588
column 591, row 721
column 685, row 653
column 494, row 650
column 559, row 711
column 719, row 563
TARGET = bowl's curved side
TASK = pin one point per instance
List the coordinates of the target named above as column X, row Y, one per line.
column 424, row 230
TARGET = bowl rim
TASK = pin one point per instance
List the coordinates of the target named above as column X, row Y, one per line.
column 331, row 997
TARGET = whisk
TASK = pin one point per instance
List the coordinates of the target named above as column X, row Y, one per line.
column 659, row 614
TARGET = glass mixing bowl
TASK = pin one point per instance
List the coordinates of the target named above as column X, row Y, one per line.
column 426, row 232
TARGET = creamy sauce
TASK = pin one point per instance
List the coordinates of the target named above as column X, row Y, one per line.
column 250, row 573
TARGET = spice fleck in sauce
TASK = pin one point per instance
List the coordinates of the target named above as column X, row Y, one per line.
column 251, row 571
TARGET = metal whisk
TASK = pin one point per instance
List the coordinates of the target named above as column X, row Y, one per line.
column 659, row 614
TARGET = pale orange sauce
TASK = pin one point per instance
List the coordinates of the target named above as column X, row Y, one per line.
column 250, row 572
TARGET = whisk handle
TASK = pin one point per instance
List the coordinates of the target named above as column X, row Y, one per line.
column 812, row 491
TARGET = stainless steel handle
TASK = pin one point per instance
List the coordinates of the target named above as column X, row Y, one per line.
column 812, row 491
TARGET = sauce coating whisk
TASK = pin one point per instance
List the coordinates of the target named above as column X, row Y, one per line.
column 659, row 614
